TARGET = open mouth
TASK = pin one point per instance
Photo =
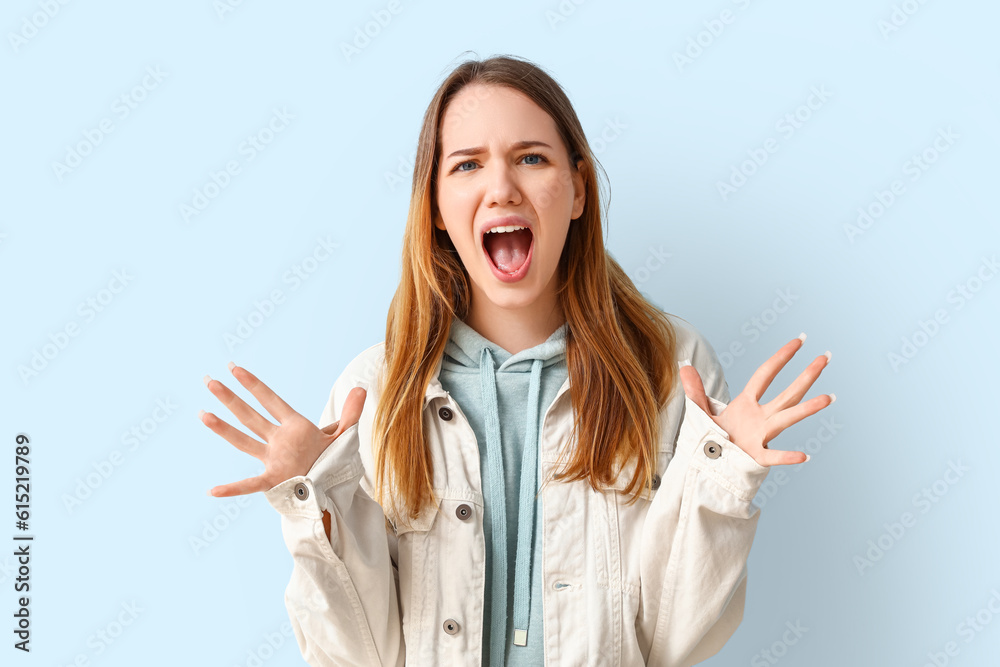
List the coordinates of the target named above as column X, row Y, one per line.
column 508, row 251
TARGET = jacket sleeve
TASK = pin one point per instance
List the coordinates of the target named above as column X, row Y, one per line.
column 698, row 532
column 342, row 599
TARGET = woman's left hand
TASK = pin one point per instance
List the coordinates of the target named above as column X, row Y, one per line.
column 750, row 425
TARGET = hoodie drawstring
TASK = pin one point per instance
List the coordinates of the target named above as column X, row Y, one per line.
column 526, row 517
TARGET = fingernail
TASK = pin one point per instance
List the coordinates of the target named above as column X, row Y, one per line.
column 807, row 458
column 833, row 397
column 210, row 492
column 206, row 380
column 684, row 362
column 231, row 366
column 802, row 337
column 200, row 413
column 828, row 354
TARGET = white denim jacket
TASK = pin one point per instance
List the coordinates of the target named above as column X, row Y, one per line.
column 661, row 582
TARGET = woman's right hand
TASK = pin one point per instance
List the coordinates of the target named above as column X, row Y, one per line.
column 290, row 447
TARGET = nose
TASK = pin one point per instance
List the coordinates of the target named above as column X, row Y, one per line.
column 502, row 188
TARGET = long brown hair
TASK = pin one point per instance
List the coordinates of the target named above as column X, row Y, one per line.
column 619, row 347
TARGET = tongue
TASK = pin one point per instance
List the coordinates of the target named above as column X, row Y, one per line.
column 508, row 250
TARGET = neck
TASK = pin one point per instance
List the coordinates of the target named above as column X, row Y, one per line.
column 516, row 329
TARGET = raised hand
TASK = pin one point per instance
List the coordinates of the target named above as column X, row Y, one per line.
column 751, row 425
column 290, row 447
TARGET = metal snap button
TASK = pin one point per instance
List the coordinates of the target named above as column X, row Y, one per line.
column 463, row 512
column 713, row 450
column 451, row 626
column 445, row 413
column 301, row 491
column 655, row 483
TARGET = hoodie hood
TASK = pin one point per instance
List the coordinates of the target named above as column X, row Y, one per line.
column 467, row 351
column 463, row 350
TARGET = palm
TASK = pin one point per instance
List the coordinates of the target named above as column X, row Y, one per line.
column 751, row 425
column 290, row 447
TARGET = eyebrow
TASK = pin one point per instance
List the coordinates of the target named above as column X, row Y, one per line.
column 482, row 149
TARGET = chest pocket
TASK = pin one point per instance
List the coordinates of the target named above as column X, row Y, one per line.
column 413, row 557
column 441, row 561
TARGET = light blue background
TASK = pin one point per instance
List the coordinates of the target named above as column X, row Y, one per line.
column 682, row 129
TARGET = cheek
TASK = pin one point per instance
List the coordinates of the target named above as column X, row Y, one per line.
column 554, row 194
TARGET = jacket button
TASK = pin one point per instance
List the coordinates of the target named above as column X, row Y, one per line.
column 301, row 491
column 445, row 413
column 451, row 626
column 655, row 483
column 713, row 450
column 463, row 512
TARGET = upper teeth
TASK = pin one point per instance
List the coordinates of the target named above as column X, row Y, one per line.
column 508, row 228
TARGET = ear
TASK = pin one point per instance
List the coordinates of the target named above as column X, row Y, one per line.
column 579, row 191
column 439, row 222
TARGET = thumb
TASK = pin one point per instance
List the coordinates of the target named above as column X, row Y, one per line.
column 693, row 386
column 350, row 414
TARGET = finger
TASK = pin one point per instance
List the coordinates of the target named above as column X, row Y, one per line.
column 242, row 487
column 779, row 421
column 762, row 378
column 794, row 392
column 353, row 406
column 234, row 436
column 694, row 388
column 271, row 401
column 780, row 457
column 249, row 417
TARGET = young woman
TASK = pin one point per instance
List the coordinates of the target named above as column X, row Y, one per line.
column 513, row 475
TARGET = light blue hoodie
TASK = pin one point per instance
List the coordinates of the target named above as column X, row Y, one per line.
column 505, row 397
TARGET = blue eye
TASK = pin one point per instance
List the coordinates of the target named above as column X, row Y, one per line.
column 541, row 159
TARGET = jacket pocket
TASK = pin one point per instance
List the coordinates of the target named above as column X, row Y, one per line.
column 416, row 580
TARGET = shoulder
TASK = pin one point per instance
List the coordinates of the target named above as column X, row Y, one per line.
column 693, row 346
column 363, row 370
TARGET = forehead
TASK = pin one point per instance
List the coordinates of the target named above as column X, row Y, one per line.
column 480, row 113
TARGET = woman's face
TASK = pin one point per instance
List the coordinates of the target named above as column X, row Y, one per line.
column 488, row 171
